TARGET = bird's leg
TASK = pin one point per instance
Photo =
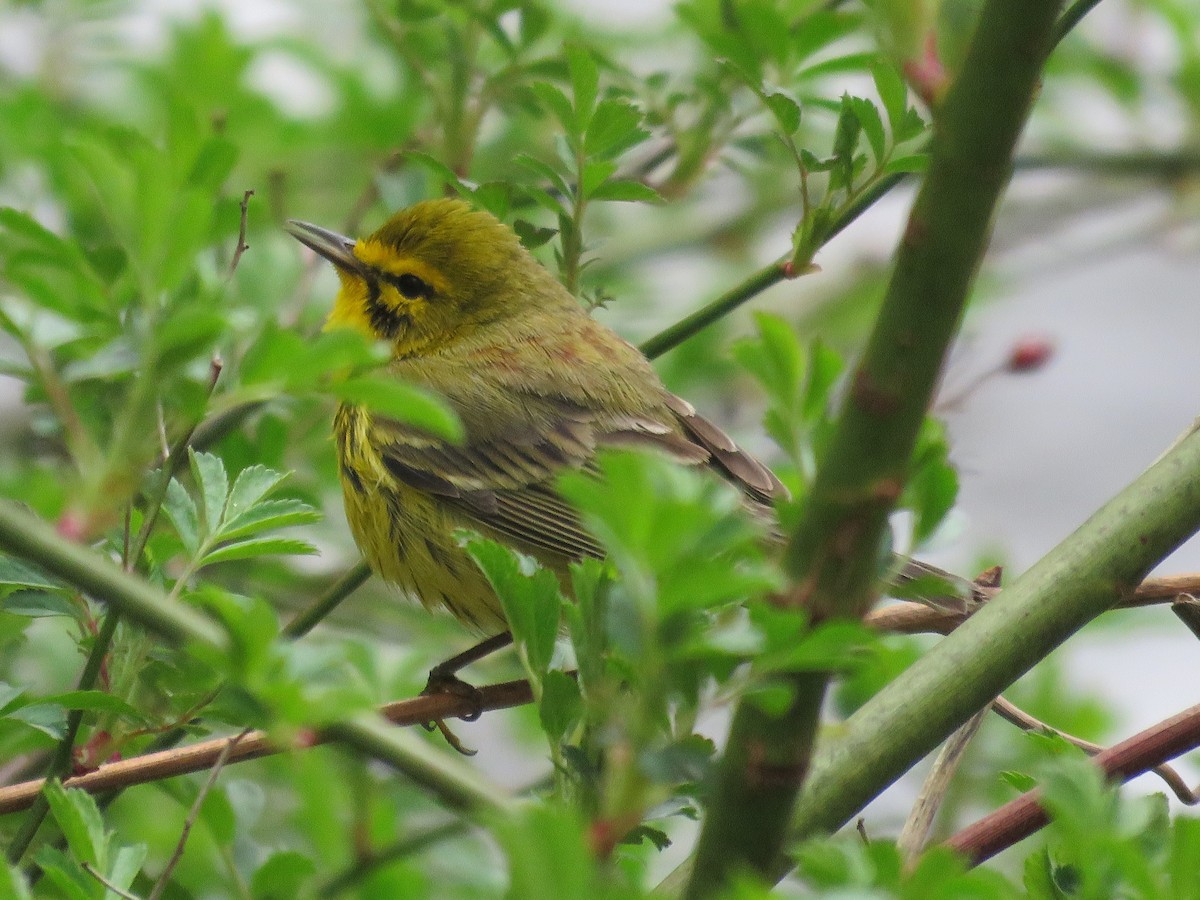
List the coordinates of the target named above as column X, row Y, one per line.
column 443, row 679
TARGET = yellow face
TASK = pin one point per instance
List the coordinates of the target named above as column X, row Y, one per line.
column 387, row 294
column 431, row 275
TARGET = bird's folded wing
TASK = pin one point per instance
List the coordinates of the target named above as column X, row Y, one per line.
column 503, row 475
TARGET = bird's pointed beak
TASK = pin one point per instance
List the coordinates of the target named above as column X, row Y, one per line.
column 337, row 248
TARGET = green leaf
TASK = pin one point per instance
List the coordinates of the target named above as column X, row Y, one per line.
column 259, row 547
column 214, row 163
column 595, row 173
column 892, row 92
column 181, row 510
column 405, row 402
column 561, row 707
column 251, row 485
column 282, row 876
column 125, row 867
column 80, row 821
column 614, row 128
column 627, row 191
column 48, row 718
column 845, row 141
column 267, row 515
column 98, row 701
column 13, row 885
column 20, row 574
column 530, row 596
column 918, row 163
column 533, row 236
column 872, row 126
column 585, row 81
column 554, row 100
column 209, row 472
column 785, row 108
column 65, row 874
column 38, row 603
column 547, row 854
column 185, row 334
column 542, row 170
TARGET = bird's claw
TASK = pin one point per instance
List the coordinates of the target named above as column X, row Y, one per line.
column 444, row 682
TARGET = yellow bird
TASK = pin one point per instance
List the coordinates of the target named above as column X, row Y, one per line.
column 538, row 385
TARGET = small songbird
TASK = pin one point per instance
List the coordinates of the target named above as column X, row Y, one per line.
column 539, row 387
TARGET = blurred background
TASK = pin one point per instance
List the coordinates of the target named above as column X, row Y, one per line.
column 1096, row 258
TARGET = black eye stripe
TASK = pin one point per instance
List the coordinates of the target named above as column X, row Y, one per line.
column 387, row 322
column 408, row 284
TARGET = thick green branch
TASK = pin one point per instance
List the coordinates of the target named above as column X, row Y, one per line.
column 29, row 538
column 1087, row 574
column 832, row 556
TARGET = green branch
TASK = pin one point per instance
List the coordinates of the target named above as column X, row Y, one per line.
column 27, row 537
column 1084, row 576
column 832, row 556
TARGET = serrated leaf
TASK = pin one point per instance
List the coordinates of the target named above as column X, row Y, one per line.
column 80, row 821
column 532, row 236
column 181, row 510
column 209, row 472
column 259, row 547
column 595, row 173
column 614, row 128
column 405, row 402
column 251, row 485
column 845, row 140
column 872, row 126
column 269, row 514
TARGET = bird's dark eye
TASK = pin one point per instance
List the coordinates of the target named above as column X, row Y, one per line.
column 410, row 285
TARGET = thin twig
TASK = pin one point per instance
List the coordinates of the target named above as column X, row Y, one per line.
column 242, row 246
column 200, row 756
column 108, row 885
column 194, row 813
column 1010, row 712
column 1132, row 757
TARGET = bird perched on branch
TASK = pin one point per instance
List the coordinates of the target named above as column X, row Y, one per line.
column 538, row 384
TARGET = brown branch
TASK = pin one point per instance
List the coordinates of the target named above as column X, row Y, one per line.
column 1012, row 713
column 907, row 617
column 201, row 756
column 1121, row 762
column 902, row 617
